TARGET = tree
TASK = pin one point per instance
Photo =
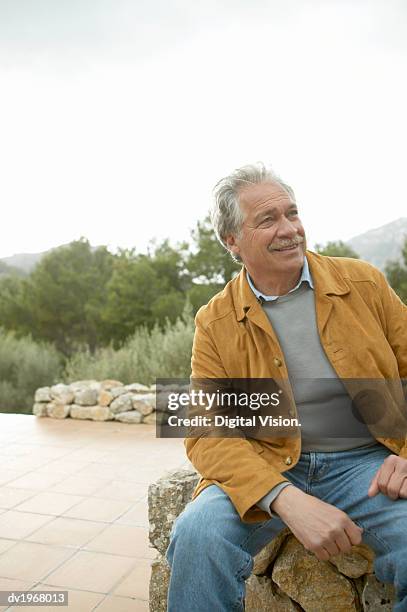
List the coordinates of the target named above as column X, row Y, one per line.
column 209, row 261
column 15, row 305
column 67, row 292
column 336, row 249
column 145, row 289
column 396, row 273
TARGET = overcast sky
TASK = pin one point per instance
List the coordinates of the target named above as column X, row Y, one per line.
column 118, row 116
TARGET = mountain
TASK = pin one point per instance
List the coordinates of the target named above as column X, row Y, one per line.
column 381, row 244
column 376, row 246
column 24, row 263
column 7, row 270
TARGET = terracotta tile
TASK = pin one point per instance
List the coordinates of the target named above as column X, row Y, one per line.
column 91, row 572
column 123, row 490
column 61, row 466
column 10, row 497
column 137, row 515
column 37, row 480
column 123, row 539
column 136, row 583
column 87, row 454
column 31, row 561
column 67, row 532
column 78, row 601
column 7, row 584
column 18, row 525
column 14, row 450
column 6, row 544
column 93, row 509
column 8, row 476
column 122, row 604
column 50, row 503
column 80, row 485
column 24, row 463
column 26, row 449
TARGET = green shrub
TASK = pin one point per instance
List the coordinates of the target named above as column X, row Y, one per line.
column 146, row 355
column 25, row 365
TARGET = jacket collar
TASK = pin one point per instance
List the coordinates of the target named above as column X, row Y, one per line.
column 326, row 278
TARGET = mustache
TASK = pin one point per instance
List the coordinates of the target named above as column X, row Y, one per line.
column 285, row 244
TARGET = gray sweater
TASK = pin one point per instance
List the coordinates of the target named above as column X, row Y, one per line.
column 323, row 404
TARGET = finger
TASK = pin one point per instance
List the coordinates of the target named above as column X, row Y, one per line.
column 394, row 485
column 374, row 488
column 332, row 548
column 354, row 533
column 322, row 554
column 386, row 471
column 343, row 543
column 403, row 490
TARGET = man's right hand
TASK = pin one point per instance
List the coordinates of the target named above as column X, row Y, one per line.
column 320, row 527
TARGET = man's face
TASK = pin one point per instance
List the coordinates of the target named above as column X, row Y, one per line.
column 272, row 238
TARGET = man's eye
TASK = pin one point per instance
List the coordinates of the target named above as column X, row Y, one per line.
column 293, row 213
column 266, row 220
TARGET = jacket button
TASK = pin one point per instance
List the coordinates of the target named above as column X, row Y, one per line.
column 277, row 362
column 288, row 460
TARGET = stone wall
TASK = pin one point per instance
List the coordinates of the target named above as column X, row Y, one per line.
column 107, row 400
column 285, row 578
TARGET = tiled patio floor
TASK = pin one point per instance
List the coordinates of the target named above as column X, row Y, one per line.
column 73, row 509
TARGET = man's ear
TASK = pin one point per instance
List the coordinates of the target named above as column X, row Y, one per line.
column 232, row 245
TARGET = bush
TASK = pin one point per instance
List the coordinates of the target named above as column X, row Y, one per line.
column 25, row 365
column 146, row 355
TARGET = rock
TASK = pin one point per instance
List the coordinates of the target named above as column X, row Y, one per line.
column 77, row 385
column 62, row 394
column 132, row 416
column 40, row 409
column 137, row 388
column 108, row 384
column 116, row 391
column 105, row 398
column 356, row 563
column 43, row 394
column 145, row 404
column 122, row 403
column 150, row 419
column 160, row 577
column 166, row 499
column 56, row 410
column 267, row 555
column 86, row 397
column 263, row 596
column 377, row 596
column 314, row 584
column 94, row 413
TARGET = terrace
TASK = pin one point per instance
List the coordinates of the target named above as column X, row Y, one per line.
column 73, row 509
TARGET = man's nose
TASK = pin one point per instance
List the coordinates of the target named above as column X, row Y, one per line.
column 286, row 228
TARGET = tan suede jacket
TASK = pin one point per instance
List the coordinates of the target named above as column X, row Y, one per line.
column 362, row 326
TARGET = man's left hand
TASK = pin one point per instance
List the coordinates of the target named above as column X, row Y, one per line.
column 390, row 479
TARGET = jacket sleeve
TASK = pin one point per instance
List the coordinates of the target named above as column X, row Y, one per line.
column 232, row 463
column 395, row 325
column 395, row 319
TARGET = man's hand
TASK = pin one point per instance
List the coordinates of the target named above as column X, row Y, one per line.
column 320, row 527
column 390, row 479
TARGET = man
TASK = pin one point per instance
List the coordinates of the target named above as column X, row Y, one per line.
column 292, row 314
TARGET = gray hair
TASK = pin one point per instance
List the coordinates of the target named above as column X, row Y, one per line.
column 226, row 215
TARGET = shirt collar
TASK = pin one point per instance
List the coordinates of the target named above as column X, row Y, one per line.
column 305, row 277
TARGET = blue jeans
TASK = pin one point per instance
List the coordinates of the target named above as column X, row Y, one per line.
column 211, row 550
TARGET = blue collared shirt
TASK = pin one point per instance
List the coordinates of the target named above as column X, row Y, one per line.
column 305, row 277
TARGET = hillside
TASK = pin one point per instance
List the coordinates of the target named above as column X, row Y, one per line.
column 382, row 243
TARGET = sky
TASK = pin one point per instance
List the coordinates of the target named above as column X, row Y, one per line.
column 117, row 117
